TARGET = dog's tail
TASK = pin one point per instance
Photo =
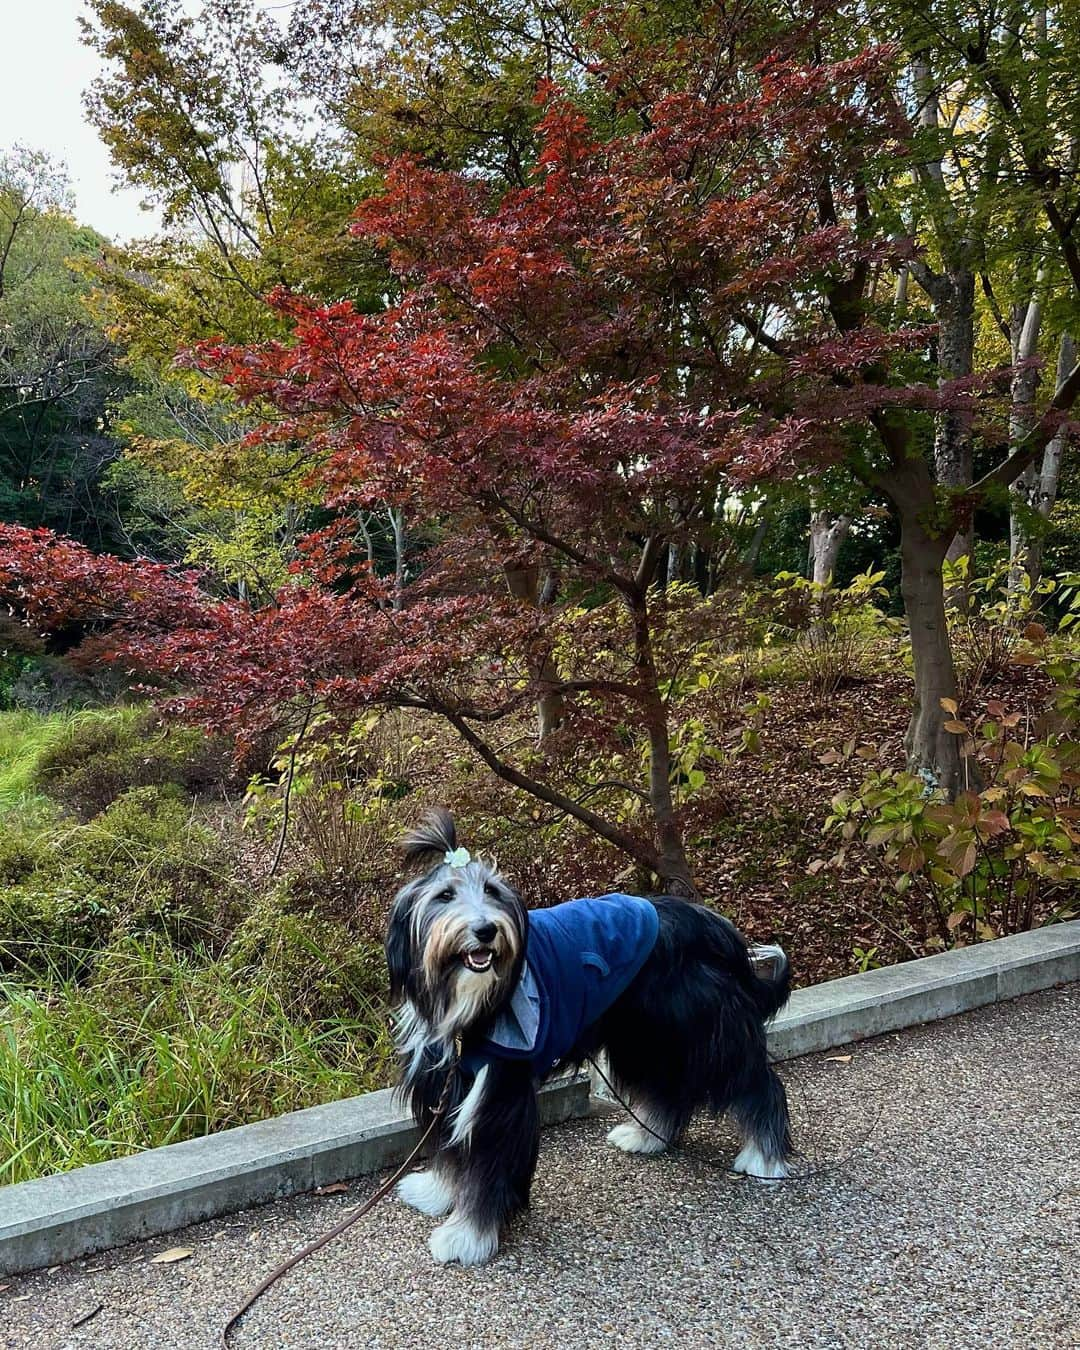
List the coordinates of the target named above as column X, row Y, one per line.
column 773, row 988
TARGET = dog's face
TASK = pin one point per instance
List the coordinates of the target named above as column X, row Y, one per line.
column 455, row 940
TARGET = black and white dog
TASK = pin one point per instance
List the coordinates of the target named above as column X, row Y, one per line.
column 493, row 999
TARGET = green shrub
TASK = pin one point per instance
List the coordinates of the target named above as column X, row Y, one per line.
column 997, row 860
column 50, row 931
column 343, row 791
column 834, row 632
column 314, row 965
column 101, row 755
column 25, row 845
column 143, row 866
column 156, row 868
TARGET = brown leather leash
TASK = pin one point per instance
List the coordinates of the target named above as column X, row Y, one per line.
column 338, row 1228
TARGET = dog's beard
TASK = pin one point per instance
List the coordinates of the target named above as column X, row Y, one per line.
column 467, row 979
column 460, row 980
column 468, row 999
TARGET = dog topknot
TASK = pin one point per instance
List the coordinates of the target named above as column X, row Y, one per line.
column 432, row 839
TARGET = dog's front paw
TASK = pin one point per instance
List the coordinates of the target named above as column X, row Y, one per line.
column 428, row 1192
column 634, row 1138
column 457, row 1240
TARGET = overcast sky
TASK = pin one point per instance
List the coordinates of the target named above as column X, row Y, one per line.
column 44, row 69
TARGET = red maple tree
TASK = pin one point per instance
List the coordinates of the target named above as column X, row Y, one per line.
column 571, row 380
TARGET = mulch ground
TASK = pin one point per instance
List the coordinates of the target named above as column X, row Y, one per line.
column 769, row 866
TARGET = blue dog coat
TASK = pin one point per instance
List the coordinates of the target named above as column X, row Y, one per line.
column 579, row 957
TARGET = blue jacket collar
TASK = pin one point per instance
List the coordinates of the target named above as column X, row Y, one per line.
column 517, row 1026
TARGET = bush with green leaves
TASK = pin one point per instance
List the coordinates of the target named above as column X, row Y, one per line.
column 143, row 866
column 832, row 631
column 50, row 930
column 993, row 618
column 157, row 866
column 999, row 858
column 336, row 792
column 100, row 755
column 314, row 965
column 25, row 845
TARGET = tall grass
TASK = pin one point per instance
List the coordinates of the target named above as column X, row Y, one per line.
column 24, row 736
column 160, row 1047
column 156, row 1024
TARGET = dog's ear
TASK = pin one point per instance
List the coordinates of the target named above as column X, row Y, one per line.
column 432, row 839
column 398, row 941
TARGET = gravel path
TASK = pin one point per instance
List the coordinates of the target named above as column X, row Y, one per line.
column 955, row 1224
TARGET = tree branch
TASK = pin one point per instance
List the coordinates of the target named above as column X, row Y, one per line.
column 626, row 843
column 1036, row 440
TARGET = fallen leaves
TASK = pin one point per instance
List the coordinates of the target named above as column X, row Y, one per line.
column 837, row 1059
column 172, row 1255
column 335, row 1188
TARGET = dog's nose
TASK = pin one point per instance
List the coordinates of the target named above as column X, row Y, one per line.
column 484, row 932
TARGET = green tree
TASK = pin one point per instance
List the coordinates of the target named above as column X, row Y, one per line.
column 59, row 374
column 199, row 114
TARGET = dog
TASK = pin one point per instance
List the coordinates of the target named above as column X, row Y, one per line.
column 492, row 999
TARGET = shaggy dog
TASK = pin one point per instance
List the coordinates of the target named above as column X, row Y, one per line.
column 494, row 999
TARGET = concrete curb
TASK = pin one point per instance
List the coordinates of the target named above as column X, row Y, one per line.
column 59, row 1218
column 857, row 1006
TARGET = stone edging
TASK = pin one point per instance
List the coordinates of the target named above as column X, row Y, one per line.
column 58, row 1218
column 894, row 997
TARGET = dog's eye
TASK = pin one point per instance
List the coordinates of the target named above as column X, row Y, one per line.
column 447, row 893
column 491, row 889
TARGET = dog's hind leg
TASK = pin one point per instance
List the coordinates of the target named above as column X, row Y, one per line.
column 762, row 1115
column 494, row 1160
column 653, row 1131
column 651, row 1074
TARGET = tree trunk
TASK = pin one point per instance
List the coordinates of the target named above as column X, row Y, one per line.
column 674, row 564
column 761, row 529
column 1024, row 339
column 673, row 867
column 1035, row 491
column 952, row 292
column 397, row 525
column 933, row 753
column 524, row 584
column 955, row 306
column 827, row 535
column 900, row 295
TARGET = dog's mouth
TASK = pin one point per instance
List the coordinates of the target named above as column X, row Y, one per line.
column 479, row 960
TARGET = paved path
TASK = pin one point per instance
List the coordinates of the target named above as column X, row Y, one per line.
column 955, row 1224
